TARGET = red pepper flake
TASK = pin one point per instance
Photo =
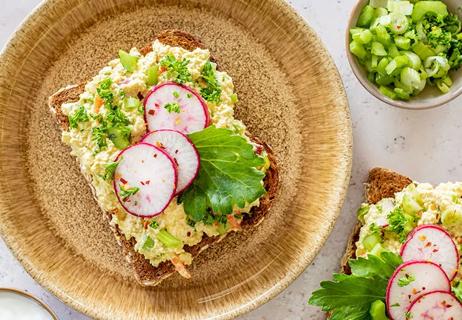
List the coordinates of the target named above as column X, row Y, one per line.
column 259, row 150
column 176, row 151
column 147, row 182
column 155, row 155
column 188, row 233
column 142, row 183
column 151, row 112
column 157, row 105
column 145, row 224
column 123, row 180
column 435, row 250
column 162, row 69
column 428, row 244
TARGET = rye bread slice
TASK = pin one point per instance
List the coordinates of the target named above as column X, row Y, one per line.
column 381, row 183
column 145, row 273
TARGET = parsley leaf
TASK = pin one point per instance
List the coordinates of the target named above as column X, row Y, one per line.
column 457, row 290
column 350, row 296
column 177, row 70
column 172, row 107
column 99, row 135
column 212, row 92
column 79, row 116
column 109, row 171
column 154, row 224
column 125, row 193
column 228, row 176
column 105, row 93
column 407, row 279
column 401, row 223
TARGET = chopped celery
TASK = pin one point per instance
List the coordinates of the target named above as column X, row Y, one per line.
column 403, row 43
column 358, row 50
column 410, row 78
column 422, row 50
column 371, row 240
column 380, row 12
column 444, row 84
column 128, row 61
column 393, row 51
column 382, row 35
column 422, row 8
column 377, row 310
column 378, row 3
column 119, row 136
column 168, row 240
column 396, row 64
column 363, row 37
column 437, row 66
column 402, row 94
column 366, row 16
column 399, row 23
column 386, row 91
column 378, row 49
column 410, row 205
column 400, row 7
column 374, row 61
column 414, row 60
column 131, row 103
column 354, row 31
column 152, row 75
column 383, row 80
column 148, row 243
column 382, row 65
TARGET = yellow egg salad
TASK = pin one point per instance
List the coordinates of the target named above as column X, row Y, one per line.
column 109, row 117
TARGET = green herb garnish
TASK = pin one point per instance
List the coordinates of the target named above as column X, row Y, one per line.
column 109, row 171
column 177, row 70
column 172, row 107
column 406, row 280
column 228, row 176
column 148, row 243
column 212, row 92
column 401, row 223
column 352, row 296
column 154, row 224
column 125, row 193
column 79, row 116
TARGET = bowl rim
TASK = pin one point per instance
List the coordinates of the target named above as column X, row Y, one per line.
column 432, row 103
column 31, row 297
column 304, row 261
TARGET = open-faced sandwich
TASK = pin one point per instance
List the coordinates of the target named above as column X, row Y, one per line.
column 402, row 260
column 155, row 136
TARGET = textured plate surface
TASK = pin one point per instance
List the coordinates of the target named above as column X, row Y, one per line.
column 290, row 95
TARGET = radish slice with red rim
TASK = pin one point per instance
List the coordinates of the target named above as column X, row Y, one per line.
column 182, row 151
column 410, row 280
column 175, row 106
column 438, row 305
column 145, row 180
column 432, row 243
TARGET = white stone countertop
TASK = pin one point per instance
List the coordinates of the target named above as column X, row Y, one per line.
column 421, row 144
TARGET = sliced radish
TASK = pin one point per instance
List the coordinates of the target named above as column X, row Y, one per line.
column 410, row 280
column 437, row 305
column 432, row 243
column 175, row 106
column 181, row 150
column 150, row 170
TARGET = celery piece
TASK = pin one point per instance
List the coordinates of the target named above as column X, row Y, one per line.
column 378, row 49
column 354, row 31
column 422, row 8
column 383, row 80
column 403, row 43
column 119, row 136
column 168, row 240
column 371, row 76
column 128, row 61
column 399, row 23
column 131, row 103
column 378, row 4
column 371, row 240
column 437, row 66
column 401, row 7
column 380, row 12
column 393, row 51
column 382, row 35
column 363, row 37
column 410, row 78
column 374, row 61
column 148, row 243
column 402, row 94
column 444, row 84
column 396, row 64
column 422, row 50
column 366, row 16
column 377, row 310
column 386, row 91
column 382, row 65
column 358, row 50
column 152, row 75
column 459, row 36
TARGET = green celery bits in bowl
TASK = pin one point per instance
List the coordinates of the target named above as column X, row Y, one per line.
column 405, row 46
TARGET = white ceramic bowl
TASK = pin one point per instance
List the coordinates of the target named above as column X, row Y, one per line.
column 431, row 97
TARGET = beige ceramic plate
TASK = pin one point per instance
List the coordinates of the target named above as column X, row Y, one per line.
column 290, row 95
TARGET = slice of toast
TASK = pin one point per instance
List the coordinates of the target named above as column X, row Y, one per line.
column 145, row 273
column 381, row 183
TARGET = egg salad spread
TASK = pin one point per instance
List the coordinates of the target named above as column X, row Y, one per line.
column 98, row 131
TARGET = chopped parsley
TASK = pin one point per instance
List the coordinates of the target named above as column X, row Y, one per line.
column 125, row 193
column 79, row 116
column 406, row 280
column 176, row 94
column 189, row 95
column 177, row 70
column 401, row 223
column 105, row 93
column 212, row 92
column 154, row 224
column 109, row 171
column 172, row 107
column 98, row 135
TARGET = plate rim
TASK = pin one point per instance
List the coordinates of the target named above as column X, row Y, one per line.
column 303, row 262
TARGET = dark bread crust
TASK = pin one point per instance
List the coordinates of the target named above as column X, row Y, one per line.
column 145, row 273
column 381, row 183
